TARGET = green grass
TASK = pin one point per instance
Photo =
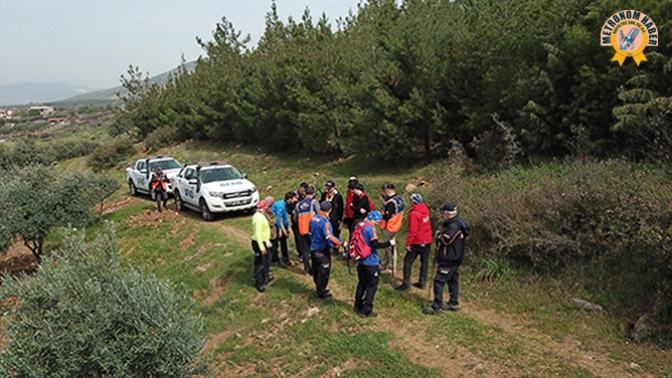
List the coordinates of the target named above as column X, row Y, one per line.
column 263, row 335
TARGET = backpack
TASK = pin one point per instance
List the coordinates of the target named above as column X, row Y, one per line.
column 358, row 248
column 372, row 206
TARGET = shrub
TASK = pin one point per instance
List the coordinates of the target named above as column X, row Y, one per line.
column 610, row 220
column 109, row 155
column 83, row 315
column 71, row 148
column 161, row 137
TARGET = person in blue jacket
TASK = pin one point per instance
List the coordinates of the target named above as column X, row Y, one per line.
column 322, row 240
column 368, row 269
column 280, row 210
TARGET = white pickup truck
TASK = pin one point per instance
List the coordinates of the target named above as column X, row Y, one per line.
column 139, row 175
column 213, row 187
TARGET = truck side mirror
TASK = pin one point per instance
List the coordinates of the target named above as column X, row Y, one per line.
column 244, row 175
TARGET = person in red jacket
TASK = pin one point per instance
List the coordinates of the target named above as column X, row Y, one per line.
column 418, row 242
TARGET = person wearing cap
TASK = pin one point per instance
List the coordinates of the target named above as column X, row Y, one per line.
column 261, row 243
column 273, row 226
column 336, row 216
column 280, row 209
column 393, row 216
column 349, row 214
column 367, row 269
column 449, row 254
column 322, row 240
column 304, row 212
column 418, row 242
column 160, row 188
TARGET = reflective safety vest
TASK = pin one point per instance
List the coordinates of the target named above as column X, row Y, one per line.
column 394, row 223
column 159, row 180
column 305, row 211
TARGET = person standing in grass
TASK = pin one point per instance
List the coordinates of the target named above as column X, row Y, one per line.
column 360, row 204
column 261, row 243
column 280, row 210
column 273, row 226
column 368, row 268
column 300, row 195
column 304, row 212
column 336, row 216
column 322, row 240
column 349, row 214
column 418, row 242
column 449, row 256
column 158, row 183
column 393, row 216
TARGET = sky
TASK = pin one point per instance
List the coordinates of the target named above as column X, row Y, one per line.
column 91, row 43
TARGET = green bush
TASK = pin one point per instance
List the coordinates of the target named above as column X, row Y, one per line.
column 25, row 152
column 109, row 155
column 71, row 148
column 609, row 220
column 83, row 315
column 161, row 137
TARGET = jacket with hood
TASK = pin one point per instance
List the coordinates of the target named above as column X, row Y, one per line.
column 419, row 226
column 451, row 242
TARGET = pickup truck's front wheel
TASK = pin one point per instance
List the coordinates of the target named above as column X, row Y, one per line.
column 179, row 205
column 205, row 212
column 132, row 188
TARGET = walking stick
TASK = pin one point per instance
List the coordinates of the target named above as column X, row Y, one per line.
column 394, row 260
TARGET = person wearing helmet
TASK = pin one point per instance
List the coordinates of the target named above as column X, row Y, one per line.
column 418, row 242
column 368, row 268
column 448, row 257
column 261, row 245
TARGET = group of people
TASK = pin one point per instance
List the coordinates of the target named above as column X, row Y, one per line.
column 316, row 225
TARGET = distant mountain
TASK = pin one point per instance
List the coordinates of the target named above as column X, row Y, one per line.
column 107, row 96
column 38, row 93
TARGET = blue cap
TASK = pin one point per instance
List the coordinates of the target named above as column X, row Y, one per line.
column 375, row 216
column 416, row 198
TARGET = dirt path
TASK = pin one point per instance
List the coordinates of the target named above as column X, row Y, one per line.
column 412, row 340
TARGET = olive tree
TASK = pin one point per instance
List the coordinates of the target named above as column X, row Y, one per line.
column 35, row 199
column 82, row 314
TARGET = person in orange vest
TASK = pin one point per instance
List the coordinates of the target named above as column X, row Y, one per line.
column 304, row 212
column 393, row 215
column 160, row 188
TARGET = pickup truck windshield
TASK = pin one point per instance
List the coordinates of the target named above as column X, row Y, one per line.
column 220, row 174
column 164, row 165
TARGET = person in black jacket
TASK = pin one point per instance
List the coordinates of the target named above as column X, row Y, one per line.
column 332, row 195
column 360, row 205
column 449, row 255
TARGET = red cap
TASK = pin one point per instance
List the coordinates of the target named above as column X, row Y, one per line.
column 262, row 204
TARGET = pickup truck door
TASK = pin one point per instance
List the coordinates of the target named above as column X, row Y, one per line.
column 140, row 175
column 188, row 188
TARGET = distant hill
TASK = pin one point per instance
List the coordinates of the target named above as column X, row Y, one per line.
column 109, row 96
column 37, row 93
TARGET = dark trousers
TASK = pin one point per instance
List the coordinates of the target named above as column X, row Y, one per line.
column 409, row 259
column 280, row 242
column 450, row 276
column 336, row 229
column 160, row 195
column 262, row 265
column 321, row 270
column 366, row 288
column 295, row 231
column 304, row 251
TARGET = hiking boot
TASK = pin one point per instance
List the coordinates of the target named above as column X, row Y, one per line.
column 451, row 307
column 402, row 287
column 326, row 295
column 260, row 287
column 269, row 280
column 286, row 262
column 369, row 315
column 357, row 311
column 160, row 209
column 419, row 285
column 431, row 311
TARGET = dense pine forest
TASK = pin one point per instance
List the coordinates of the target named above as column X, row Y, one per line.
column 402, row 81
